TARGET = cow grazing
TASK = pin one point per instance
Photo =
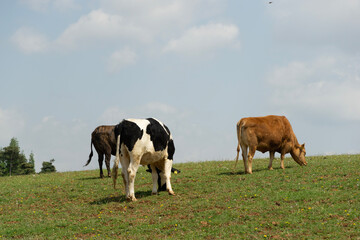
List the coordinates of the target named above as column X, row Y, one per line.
column 162, row 187
column 270, row 133
column 104, row 141
column 145, row 142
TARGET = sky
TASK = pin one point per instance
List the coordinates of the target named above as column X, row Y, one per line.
column 199, row 66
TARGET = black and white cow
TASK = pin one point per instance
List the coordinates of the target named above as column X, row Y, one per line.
column 146, row 142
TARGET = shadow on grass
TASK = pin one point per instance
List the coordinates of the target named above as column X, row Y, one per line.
column 88, row 178
column 242, row 172
column 232, row 173
column 93, row 178
column 121, row 198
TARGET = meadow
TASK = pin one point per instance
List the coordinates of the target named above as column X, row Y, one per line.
column 319, row 201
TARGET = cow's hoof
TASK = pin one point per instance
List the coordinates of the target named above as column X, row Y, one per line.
column 131, row 199
column 270, row 168
column 171, row 193
column 154, row 193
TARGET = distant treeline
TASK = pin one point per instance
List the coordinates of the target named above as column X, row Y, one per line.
column 14, row 162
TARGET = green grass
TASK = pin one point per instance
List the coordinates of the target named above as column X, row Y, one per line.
column 319, row 201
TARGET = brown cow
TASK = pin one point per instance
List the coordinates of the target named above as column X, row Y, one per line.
column 104, row 141
column 270, row 133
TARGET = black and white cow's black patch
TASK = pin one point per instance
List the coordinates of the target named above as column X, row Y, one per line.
column 129, row 132
column 171, row 149
column 158, row 135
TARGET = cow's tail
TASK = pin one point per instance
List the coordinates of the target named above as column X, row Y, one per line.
column 238, row 131
column 91, row 154
column 115, row 169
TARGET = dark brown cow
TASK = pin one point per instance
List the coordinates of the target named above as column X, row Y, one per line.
column 270, row 133
column 104, row 141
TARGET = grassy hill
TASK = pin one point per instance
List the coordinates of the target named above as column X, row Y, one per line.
column 321, row 200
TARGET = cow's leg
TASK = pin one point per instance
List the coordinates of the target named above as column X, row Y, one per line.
column 237, row 156
column 124, row 173
column 250, row 158
column 271, row 160
column 132, row 169
column 244, row 153
column 107, row 163
column 155, row 176
column 282, row 161
column 167, row 173
column 101, row 159
column 162, row 181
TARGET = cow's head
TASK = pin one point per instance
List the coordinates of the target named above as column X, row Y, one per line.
column 298, row 154
column 162, row 187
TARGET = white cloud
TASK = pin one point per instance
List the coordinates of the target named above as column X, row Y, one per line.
column 145, row 27
column 91, row 29
column 138, row 24
column 29, row 41
column 161, row 15
column 326, row 87
column 128, row 21
column 11, row 124
column 99, row 26
column 204, row 39
column 141, row 21
column 121, row 59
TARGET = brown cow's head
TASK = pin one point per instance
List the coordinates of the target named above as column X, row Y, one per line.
column 298, row 154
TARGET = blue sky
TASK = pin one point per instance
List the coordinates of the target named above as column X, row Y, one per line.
column 67, row 66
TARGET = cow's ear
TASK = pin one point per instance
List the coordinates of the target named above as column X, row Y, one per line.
column 303, row 146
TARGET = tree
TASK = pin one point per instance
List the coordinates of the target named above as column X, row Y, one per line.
column 14, row 162
column 28, row 167
column 31, row 159
column 12, row 159
column 48, row 167
column 2, row 163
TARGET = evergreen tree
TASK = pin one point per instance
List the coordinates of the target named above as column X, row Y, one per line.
column 48, row 167
column 2, row 163
column 12, row 159
column 31, row 159
column 21, row 165
column 29, row 167
column 14, row 162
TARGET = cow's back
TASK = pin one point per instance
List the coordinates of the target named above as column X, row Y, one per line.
column 103, row 138
column 269, row 133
